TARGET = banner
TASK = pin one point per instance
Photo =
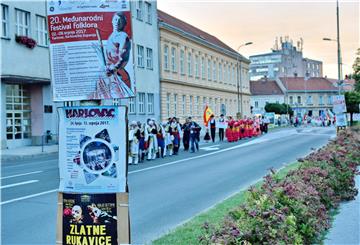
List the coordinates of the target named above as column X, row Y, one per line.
column 339, row 105
column 341, row 120
column 91, row 49
column 89, row 219
column 92, row 149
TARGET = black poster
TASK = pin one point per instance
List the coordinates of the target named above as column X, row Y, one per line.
column 89, row 219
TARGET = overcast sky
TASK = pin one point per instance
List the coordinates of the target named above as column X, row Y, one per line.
column 236, row 22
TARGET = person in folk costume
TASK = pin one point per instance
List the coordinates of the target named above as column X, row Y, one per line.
column 262, row 125
column 134, row 135
column 251, row 127
column 221, row 126
column 236, row 130
column 212, row 127
column 186, row 134
column 242, row 129
column 167, row 139
column 175, row 133
column 194, row 135
column 142, row 145
column 161, row 140
column 256, row 126
column 228, row 131
column 150, row 138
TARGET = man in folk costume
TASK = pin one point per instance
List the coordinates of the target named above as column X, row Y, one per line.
column 142, row 145
column 242, row 129
column 222, row 127
column 134, row 135
column 161, row 140
column 212, row 127
column 186, row 134
column 150, row 138
column 194, row 134
column 175, row 133
column 167, row 139
column 256, row 126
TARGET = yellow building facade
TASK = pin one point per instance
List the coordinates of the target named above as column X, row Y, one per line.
column 197, row 69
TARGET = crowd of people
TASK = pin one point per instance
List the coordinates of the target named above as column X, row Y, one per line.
column 153, row 140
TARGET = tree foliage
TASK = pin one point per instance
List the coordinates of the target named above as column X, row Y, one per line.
column 356, row 67
column 352, row 99
column 278, row 108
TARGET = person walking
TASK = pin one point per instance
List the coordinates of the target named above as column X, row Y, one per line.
column 212, row 126
column 194, row 135
column 222, row 126
column 186, row 133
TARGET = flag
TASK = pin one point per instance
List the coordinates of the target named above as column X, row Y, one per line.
column 207, row 113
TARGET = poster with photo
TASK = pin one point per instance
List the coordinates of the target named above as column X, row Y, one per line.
column 339, row 104
column 89, row 219
column 91, row 49
column 92, row 149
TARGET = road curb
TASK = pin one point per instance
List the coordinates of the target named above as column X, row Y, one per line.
column 25, row 157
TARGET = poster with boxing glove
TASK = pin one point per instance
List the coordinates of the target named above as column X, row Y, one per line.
column 91, row 49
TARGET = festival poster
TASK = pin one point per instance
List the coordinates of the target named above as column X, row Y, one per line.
column 339, row 104
column 89, row 219
column 91, row 49
column 92, row 149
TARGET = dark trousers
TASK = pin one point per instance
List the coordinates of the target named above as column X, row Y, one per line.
column 194, row 142
column 221, row 134
column 212, row 132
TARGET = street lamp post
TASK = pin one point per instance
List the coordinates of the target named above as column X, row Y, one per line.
column 339, row 62
column 239, row 81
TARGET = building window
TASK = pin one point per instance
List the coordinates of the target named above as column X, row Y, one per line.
column 18, row 112
column 309, row 100
column 209, row 70
column 132, row 105
column 291, row 100
column 214, row 71
column 166, row 57
column 329, row 100
column 256, row 104
column 191, row 105
column 173, row 59
column 189, row 63
column 149, row 58
column 184, row 104
column 140, row 55
column 175, row 105
column 148, row 13
column 22, row 22
column 299, row 100
column 168, row 105
column 139, row 10
column 142, row 103
column 202, row 67
column 321, row 102
column 150, row 103
column 5, row 20
column 220, row 72
column 182, row 61
column 197, row 105
column 197, row 66
column 229, row 75
column 41, row 32
column 216, row 106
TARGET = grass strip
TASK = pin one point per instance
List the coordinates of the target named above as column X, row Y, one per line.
column 189, row 232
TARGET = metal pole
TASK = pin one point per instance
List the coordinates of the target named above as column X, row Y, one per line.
column 238, row 84
column 241, row 102
column 338, row 45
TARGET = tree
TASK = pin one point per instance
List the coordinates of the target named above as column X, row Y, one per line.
column 356, row 67
column 278, row 108
column 352, row 103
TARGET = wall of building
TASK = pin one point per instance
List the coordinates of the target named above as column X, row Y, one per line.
column 262, row 100
column 176, row 79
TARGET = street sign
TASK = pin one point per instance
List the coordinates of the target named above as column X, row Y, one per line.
column 339, row 105
column 91, row 49
column 92, row 149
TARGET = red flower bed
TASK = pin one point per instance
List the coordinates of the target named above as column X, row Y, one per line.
column 27, row 41
column 295, row 209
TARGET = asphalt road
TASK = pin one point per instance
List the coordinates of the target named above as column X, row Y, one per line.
column 163, row 193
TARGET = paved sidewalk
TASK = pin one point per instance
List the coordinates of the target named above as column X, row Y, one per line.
column 346, row 226
column 27, row 152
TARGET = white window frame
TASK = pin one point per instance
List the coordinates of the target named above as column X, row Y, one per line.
column 189, row 63
column 220, row 72
column 140, row 56
column 5, row 23
column 191, row 105
column 41, row 31
column 148, row 13
column 329, row 100
column 202, row 67
column 168, row 104
column 197, row 74
column 132, row 107
column 309, row 100
column 22, row 22
column 183, row 104
column 182, row 62
column 139, row 10
column 197, row 105
column 149, row 58
column 175, row 104
column 209, row 69
column 214, row 71
column 150, row 103
column 321, row 100
column 141, row 103
column 173, row 59
column 166, row 57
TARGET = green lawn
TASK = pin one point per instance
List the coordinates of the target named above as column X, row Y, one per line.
column 189, row 232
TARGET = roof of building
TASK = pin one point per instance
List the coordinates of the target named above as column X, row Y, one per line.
column 192, row 30
column 348, row 85
column 313, row 83
column 265, row 87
